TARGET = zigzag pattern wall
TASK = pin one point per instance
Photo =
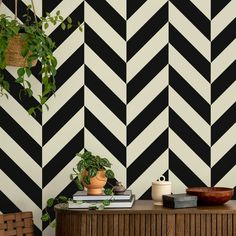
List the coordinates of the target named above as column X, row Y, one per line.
column 149, row 84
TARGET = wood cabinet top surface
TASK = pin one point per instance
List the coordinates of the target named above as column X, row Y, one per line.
column 147, row 207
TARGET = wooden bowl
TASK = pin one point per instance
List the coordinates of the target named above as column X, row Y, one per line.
column 211, row 195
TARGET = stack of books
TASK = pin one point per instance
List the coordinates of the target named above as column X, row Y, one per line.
column 84, row 201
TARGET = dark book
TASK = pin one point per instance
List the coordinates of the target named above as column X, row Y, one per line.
column 98, row 204
column 83, row 196
column 179, row 200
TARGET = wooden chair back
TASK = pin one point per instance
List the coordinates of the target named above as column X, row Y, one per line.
column 16, row 224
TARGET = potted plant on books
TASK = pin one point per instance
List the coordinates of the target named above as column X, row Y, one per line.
column 92, row 172
column 22, row 44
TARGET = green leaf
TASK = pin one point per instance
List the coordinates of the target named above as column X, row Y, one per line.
column 19, row 80
column 50, row 202
column 110, row 174
column 62, row 199
column 21, row 72
column 31, row 111
column 63, row 26
column 86, row 180
column 80, row 165
column 69, row 20
column 105, row 162
column 28, row 83
column 28, row 71
column 78, row 184
column 69, row 26
column 47, row 107
column 45, row 217
column 53, row 224
column 29, row 92
column 58, row 13
column 92, row 172
column 108, row 191
column 46, row 25
column 106, row 202
column 61, row 18
column 71, row 177
column 24, row 51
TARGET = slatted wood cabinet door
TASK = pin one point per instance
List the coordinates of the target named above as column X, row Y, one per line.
column 145, row 219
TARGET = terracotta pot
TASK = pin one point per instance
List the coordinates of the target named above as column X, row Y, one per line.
column 96, row 183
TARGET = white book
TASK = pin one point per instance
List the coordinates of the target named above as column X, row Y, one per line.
column 83, row 196
column 98, row 204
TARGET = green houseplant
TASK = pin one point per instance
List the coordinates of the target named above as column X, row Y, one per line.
column 35, row 45
column 91, row 164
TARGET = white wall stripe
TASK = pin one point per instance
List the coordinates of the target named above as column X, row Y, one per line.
column 223, row 145
column 228, row 180
column 190, row 74
column 189, row 158
column 147, row 52
column 140, row 17
column 55, row 103
column 147, row 137
column 223, row 18
column 20, row 115
column 119, row 6
column 20, row 199
column 21, row 158
column 144, row 181
column 69, row 46
column 105, row 73
column 223, row 61
column 189, row 31
column 203, row 6
column 177, row 186
column 190, row 116
column 95, row 146
column 60, row 181
column 147, row 94
column 63, row 136
column 102, row 28
column 37, row 5
column 223, row 103
column 105, row 115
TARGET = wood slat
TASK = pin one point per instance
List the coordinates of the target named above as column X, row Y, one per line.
column 163, row 224
column 83, row 225
column 94, row 225
column 213, row 225
column 230, row 225
column 192, row 224
column 208, row 223
column 158, row 224
column 203, row 225
column 171, row 224
column 131, row 225
column 186, row 225
column 225, row 225
column 88, row 225
column 137, row 225
column 219, row 225
column 198, row 225
column 179, row 224
column 153, row 225
column 142, row 224
column 116, row 225
column 148, row 225
column 234, row 224
column 127, row 225
column 121, row 226
column 105, row 225
column 111, row 224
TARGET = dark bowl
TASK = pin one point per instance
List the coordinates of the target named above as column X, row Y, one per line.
column 211, row 195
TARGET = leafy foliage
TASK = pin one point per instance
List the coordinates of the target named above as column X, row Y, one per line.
column 92, row 164
column 37, row 46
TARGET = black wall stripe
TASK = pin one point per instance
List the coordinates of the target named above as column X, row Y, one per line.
column 105, row 137
column 147, row 31
column 69, row 109
column 105, row 95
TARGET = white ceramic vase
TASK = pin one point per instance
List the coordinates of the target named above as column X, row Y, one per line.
column 159, row 188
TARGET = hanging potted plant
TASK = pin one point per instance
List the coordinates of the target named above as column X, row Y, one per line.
column 22, row 44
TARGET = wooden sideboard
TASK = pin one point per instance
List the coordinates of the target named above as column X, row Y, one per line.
column 145, row 219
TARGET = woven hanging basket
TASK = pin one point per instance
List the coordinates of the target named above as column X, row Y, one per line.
column 13, row 53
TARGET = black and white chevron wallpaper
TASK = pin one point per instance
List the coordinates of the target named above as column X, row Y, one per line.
column 150, row 84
